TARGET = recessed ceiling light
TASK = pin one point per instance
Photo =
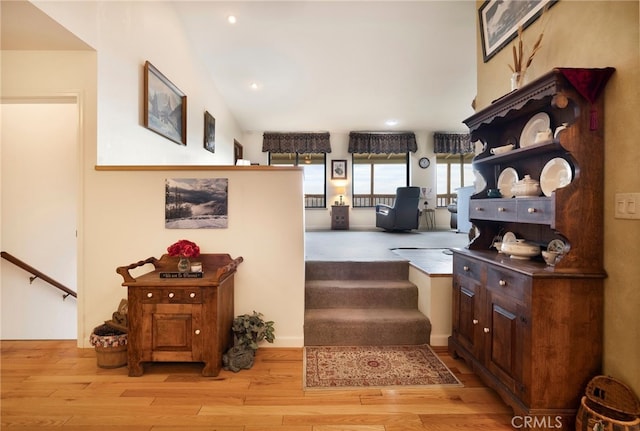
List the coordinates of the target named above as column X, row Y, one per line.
column 391, row 122
column 231, row 19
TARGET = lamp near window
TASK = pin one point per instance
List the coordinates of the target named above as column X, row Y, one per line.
column 341, row 190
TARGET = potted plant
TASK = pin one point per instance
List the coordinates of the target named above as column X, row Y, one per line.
column 248, row 330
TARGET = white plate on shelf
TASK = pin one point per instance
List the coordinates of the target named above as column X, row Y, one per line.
column 480, row 183
column 538, row 123
column 555, row 174
column 507, row 179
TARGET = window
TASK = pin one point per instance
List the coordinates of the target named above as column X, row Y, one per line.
column 314, row 174
column 452, row 171
column 377, row 176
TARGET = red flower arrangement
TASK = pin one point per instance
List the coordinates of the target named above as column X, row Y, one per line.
column 184, row 248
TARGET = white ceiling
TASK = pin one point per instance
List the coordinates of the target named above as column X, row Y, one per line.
column 319, row 65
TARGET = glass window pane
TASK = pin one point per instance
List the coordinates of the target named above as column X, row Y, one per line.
column 387, row 178
column 361, row 179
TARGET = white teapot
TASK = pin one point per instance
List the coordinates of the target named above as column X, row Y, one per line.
column 526, row 187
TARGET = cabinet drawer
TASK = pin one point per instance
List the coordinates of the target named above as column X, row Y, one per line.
column 539, row 210
column 467, row 267
column 508, row 283
column 484, row 209
column 172, row 296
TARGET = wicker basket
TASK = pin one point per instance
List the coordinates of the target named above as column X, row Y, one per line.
column 608, row 405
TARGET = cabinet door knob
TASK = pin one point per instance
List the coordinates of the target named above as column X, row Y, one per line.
column 149, row 295
column 466, row 268
column 197, row 332
column 171, row 295
column 475, row 321
column 486, row 330
column 192, row 295
column 531, row 210
column 502, row 283
column 501, row 209
column 478, row 208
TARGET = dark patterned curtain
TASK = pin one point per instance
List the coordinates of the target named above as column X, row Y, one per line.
column 452, row 143
column 274, row 142
column 382, row 142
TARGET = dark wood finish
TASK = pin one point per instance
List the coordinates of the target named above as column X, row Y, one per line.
column 339, row 217
column 180, row 319
column 530, row 331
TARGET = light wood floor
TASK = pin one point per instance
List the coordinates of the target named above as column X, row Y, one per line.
column 52, row 385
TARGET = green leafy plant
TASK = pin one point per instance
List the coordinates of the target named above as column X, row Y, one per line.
column 250, row 329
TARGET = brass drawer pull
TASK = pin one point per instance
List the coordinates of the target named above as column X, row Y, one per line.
column 501, row 209
column 531, row 210
column 171, row 294
column 502, row 283
column 486, row 330
column 466, row 268
column 197, row 332
column 475, row 321
column 192, row 295
column 149, row 295
column 479, row 209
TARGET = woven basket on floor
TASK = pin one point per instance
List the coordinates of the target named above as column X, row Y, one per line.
column 608, row 405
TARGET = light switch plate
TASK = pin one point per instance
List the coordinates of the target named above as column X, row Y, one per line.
column 627, row 206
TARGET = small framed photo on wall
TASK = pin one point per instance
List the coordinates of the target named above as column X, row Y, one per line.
column 209, row 132
column 338, row 169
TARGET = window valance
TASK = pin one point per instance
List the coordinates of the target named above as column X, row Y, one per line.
column 382, row 142
column 452, row 143
column 295, row 142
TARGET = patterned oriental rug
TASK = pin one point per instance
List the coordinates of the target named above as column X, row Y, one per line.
column 339, row 367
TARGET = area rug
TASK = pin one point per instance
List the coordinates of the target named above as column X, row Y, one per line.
column 339, row 367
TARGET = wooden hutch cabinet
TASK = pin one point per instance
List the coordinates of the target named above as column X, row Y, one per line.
column 533, row 332
column 180, row 319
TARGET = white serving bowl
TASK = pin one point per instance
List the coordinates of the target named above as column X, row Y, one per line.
column 520, row 249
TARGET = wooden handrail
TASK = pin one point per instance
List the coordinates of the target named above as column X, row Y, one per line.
column 38, row 274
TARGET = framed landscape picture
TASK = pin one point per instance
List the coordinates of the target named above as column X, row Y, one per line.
column 196, row 203
column 209, row 132
column 165, row 106
column 500, row 19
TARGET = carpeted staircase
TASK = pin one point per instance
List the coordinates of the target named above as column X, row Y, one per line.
column 362, row 304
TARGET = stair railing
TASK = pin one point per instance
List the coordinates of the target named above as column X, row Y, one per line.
column 38, row 274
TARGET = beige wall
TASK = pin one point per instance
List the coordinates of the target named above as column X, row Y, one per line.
column 598, row 34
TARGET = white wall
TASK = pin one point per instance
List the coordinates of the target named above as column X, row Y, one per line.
column 124, row 223
column 121, row 212
column 125, row 35
column 39, row 217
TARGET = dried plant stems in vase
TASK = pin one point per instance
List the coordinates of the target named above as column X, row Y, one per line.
column 520, row 65
column 521, row 61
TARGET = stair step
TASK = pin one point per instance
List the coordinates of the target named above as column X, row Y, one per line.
column 362, row 327
column 360, row 293
column 385, row 270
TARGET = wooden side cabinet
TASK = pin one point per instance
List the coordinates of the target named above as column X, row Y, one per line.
column 340, row 217
column 180, row 319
